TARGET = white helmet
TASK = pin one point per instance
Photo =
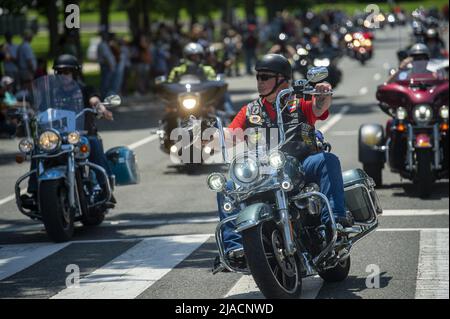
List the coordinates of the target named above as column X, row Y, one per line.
column 193, row 48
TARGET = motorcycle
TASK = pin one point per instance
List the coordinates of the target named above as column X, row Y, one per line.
column 360, row 46
column 415, row 141
column 284, row 239
column 189, row 97
column 308, row 57
column 68, row 190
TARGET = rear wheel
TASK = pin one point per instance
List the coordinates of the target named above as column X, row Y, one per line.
column 277, row 275
column 57, row 215
column 424, row 179
column 374, row 170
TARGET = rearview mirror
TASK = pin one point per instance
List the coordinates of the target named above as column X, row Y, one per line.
column 317, row 74
column 113, row 100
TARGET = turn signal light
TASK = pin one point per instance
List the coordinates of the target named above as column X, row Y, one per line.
column 444, row 127
column 84, row 148
column 401, row 127
column 20, row 158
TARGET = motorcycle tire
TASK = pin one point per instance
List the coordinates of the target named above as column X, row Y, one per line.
column 375, row 171
column 95, row 217
column 57, row 216
column 424, row 179
column 265, row 271
column 338, row 273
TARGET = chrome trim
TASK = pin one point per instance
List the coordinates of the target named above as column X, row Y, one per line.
column 436, row 148
column 17, row 193
column 108, row 185
column 283, row 208
column 410, row 150
column 71, row 179
column 279, row 113
column 318, row 259
column 219, row 241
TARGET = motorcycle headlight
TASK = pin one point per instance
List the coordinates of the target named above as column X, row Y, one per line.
column 49, row 141
column 356, row 43
column 26, row 145
column 73, row 138
column 348, row 38
column 189, row 102
column 423, row 114
column 244, row 171
column 367, row 42
column 216, row 182
column 443, row 112
column 277, row 160
column 401, row 113
column 322, row 62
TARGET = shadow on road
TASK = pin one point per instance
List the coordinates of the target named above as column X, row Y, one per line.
column 440, row 190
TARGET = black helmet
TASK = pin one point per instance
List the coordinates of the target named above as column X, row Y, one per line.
column 419, row 49
column 275, row 63
column 66, row 61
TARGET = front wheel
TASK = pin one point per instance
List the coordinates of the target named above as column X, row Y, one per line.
column 277, row 275
column 57, row 215
column 338, row 273
column 424, row 178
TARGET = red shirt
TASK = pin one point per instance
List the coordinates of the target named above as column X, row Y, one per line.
column 239, row 120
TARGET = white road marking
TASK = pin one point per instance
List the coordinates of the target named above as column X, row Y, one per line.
column 15, row 258
column 131, row 273
column 432, row 272
column 363, row 91
column 209, row 220
column 246, row 288
column 336, row 118
column 415, row 212
column 344, row 133
column 412, row 229
column 7, row 199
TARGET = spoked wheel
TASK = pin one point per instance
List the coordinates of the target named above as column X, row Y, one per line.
column 277, row 275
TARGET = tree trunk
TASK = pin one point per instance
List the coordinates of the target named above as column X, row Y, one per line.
column 73, row 32
column 104, row 15
column 52, row 18
column 145, row 4
column 133, row 17
column 250, row 10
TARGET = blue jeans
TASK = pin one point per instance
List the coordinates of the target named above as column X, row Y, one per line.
column 323, row 169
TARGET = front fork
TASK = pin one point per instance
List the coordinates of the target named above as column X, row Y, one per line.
column 410, row 166
column 285, row 223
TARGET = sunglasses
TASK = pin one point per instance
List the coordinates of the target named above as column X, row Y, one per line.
column 265, row 77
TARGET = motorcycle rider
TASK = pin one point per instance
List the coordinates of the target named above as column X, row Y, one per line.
column 68, row 66
column 434, row 44
column 274, row 74
column 194, row 55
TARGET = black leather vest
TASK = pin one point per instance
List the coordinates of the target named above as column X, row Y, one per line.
column 301, row 135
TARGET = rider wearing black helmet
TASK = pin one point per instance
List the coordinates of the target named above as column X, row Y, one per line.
column 67, row 65
column 274, row 74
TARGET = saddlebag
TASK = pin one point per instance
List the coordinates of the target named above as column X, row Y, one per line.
column 359, row 195
column 122, row 162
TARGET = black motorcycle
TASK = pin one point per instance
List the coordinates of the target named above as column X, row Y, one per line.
column 189, row 98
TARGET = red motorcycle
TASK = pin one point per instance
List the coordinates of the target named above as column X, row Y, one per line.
column 415, row 141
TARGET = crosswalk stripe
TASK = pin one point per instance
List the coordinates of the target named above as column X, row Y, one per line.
column 15, row 258
column 246, row 288
column 433, row 266
column 133, row 272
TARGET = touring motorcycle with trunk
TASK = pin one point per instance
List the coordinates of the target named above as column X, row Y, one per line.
column 280, row 219
column 68, row 190
column 190, row 97
column 415, row 141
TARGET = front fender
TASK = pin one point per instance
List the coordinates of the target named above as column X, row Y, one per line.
column 252, row 216
column 53, row 173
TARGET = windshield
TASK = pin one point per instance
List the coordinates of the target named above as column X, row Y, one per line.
column 57, row 99
column 420, row 70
